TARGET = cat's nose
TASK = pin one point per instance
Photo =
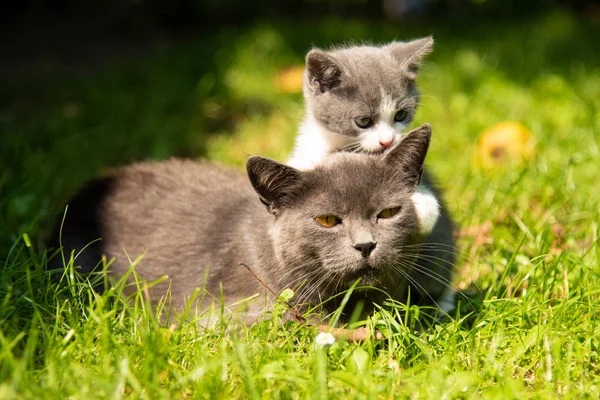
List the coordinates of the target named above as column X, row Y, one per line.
column 365, row 248
column 385, row 143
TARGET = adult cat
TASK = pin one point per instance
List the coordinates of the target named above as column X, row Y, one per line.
column 351, row 217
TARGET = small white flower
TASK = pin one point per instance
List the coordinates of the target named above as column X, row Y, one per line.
column 324, row 339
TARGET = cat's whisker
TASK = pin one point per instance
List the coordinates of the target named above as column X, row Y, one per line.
column 443, row 264
column 301, row 267
column 416, row 284
column 441, row 247
column 350, row 148
column 305, row 280
column 444, row 281
column 315, row 286
column 412, row 282
column 434, row 275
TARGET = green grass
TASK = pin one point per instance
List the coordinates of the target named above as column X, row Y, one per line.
column 529, row 241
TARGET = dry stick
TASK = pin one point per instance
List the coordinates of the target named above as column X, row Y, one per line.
column 351, row 335
column 293, row 310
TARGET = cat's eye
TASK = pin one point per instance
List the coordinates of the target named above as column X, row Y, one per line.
column 400, row 116
column 328, row 221
column 363, row 122
column 388, row 212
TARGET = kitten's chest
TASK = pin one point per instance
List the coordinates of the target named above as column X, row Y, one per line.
column 314, row 143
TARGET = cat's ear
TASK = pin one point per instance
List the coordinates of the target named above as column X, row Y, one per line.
column 410, row 55
column 322, row 71
column 409, row 154
column 274, row 182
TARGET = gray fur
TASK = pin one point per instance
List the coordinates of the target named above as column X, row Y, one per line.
column 187, row 216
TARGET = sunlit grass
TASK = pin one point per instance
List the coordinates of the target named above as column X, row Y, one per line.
column 527, row 326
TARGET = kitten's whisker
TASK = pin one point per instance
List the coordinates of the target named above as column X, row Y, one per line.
column 350, row 148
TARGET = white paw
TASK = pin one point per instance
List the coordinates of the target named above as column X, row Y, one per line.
column 427, row 208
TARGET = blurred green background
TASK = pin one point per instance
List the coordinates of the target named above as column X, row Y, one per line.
column 89, row 86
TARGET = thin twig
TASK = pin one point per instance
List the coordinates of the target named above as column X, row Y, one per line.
column 293, row 310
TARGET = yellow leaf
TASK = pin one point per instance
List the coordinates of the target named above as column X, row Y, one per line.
column 504, row 143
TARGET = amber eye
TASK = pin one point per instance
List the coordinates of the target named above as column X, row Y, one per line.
column 363, row 122
column 388, row 212
column 328, row 221
column 400, row 116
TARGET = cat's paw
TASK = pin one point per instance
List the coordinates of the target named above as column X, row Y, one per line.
column 427, row 208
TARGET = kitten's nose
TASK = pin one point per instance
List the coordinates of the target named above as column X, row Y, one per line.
column 385, row 143
column 365, row 248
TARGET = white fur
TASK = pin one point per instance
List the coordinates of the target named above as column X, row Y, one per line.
column 314, row 143
column 373, row 139
column 427, row 208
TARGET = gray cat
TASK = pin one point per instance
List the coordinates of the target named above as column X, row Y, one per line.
column 317, row 231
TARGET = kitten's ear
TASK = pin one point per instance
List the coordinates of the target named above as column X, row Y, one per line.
column 409, row 154
column 274, row 182
column 411, row 54
column 322, row 71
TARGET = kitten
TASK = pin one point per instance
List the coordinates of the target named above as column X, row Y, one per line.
column 358, row 98
column 321, row 229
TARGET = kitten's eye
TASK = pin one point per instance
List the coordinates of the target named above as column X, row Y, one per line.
column 400, row 116
column 363, row 122
column 328, row 221
column 388, row 212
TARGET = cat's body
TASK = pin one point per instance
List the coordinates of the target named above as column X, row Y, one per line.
column 186, row 217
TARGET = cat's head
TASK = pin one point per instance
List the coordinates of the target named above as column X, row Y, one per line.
column 365, row 94
column 353, row 217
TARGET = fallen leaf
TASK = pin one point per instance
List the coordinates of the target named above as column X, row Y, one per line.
column 504, row 143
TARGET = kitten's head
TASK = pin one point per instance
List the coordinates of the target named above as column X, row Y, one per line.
column 366, row 94
column 352, row 217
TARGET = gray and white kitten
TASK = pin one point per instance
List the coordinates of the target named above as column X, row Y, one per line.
column 315, row 231
column 358, row 98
